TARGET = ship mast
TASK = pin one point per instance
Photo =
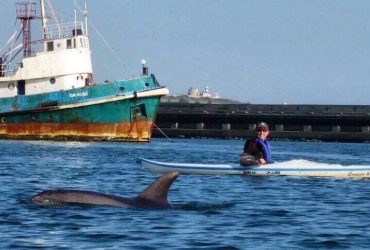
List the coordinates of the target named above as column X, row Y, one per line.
column 43, row 18
column 85, row 14
column 26, row 12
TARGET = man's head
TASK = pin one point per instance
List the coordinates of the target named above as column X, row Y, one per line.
column 262, row 130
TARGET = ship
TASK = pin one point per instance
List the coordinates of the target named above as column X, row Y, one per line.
column 50, row 94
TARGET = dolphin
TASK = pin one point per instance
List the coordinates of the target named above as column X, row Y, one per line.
column 154, row 196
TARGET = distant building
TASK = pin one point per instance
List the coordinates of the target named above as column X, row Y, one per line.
column 194, row 93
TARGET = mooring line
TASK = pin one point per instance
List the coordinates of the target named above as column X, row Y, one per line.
column 162, row 132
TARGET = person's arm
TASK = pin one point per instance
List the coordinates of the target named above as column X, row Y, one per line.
column 261, row 159
column 246, row 145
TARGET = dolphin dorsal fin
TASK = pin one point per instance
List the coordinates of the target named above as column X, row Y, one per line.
column 158, row 190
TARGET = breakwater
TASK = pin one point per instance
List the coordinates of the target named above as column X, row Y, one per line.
column 345, row 123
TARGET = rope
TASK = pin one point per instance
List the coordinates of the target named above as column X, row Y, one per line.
column 101, row 36
column 162, row 132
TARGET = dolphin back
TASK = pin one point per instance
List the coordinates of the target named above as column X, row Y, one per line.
column 157, row 192
column 154, row 196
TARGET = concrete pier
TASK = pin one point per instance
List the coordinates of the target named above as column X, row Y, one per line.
column 348, row 123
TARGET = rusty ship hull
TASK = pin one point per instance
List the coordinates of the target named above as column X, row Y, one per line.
column 118, row 111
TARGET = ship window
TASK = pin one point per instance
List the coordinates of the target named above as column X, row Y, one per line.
column 87, row 82
column 52, row 80
column 50, row 46
column 69, row 44
column 81, row 43
column 11, row 86
column 74, row 43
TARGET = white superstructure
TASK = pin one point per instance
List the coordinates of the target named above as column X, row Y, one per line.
column 64, row 62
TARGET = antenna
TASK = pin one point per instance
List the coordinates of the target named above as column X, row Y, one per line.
column 75, row 11
column 43, row 18
column 85, row 14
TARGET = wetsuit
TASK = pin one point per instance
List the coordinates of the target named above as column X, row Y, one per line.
column 259, row 149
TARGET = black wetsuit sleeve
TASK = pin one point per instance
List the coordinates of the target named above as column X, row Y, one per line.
column 246, row 145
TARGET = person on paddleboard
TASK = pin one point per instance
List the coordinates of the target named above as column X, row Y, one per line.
column 257, row 150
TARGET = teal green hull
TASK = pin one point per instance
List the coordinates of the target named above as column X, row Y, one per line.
column 119, row 111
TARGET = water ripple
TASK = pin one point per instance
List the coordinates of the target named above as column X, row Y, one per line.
column 209, row 212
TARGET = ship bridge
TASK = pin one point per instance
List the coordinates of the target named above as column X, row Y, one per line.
column 65, row 36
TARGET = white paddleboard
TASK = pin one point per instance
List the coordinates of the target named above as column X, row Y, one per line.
column 294, row 167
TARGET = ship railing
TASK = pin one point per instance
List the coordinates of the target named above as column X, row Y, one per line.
column 9, row 69
column 65, row 30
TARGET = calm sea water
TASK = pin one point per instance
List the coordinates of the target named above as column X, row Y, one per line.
column 209, row 212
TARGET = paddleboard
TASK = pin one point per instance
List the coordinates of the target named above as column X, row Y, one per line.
column 294, row 168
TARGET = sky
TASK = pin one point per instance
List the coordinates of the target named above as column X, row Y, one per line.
column 257, row 51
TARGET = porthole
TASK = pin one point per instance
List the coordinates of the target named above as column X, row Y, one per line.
column 52, row 80
column 3, row 119
column 122, row 88
column 147, row 84
column 11, row 86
